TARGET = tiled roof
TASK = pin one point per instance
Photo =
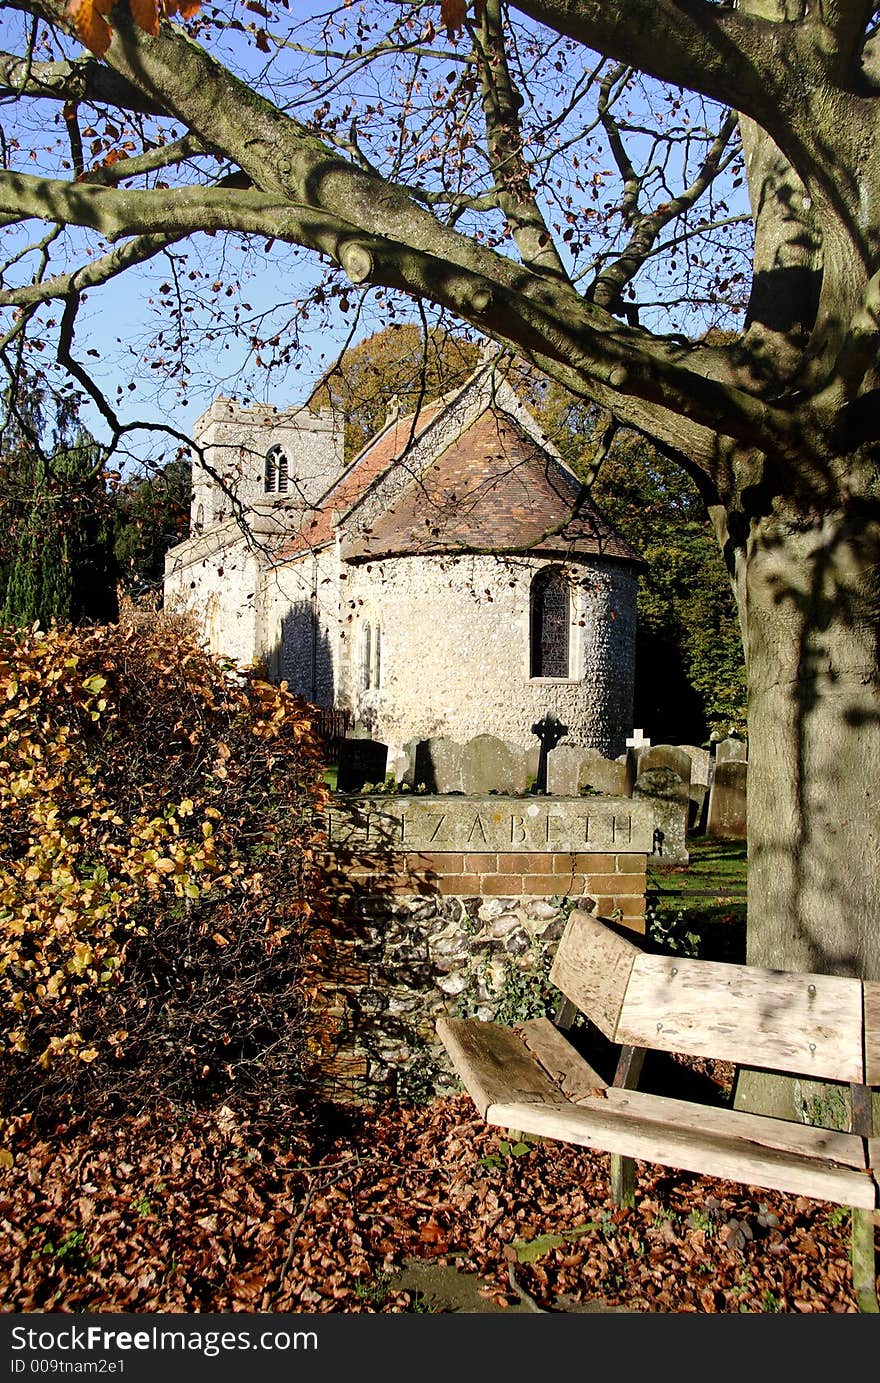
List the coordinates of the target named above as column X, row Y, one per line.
column 493, row 489
column 373, row 460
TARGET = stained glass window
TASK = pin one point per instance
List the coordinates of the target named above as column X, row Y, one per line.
column 550, row 624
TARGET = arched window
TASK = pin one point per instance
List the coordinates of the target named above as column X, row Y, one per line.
column 377, row 658
column 275, row 472
column 200, row 518
column 270, row 471
column 550, row 635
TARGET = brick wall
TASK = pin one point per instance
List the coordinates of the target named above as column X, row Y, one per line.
column 614, row 883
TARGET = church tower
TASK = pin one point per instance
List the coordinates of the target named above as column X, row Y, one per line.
column 267, row 459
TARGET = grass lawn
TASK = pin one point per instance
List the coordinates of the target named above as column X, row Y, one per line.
column 700, row 908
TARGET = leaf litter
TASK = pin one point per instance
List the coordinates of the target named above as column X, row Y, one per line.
column 224, row 1211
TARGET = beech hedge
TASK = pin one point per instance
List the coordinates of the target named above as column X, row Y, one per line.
column 162, row 909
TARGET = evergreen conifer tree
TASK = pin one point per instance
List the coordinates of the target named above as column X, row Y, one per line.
column 59, row 536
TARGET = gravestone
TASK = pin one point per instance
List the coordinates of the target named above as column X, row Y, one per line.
column 488, row 764
column 361, row 761
column 702, row 769
column 608, row 777
column 669, row 756
column 437, row 765
column 701, row 763
column 677, row 761
column 636, row 743
column 565, row 767
column 669, row 798
column 727, row 801
column 731, row 750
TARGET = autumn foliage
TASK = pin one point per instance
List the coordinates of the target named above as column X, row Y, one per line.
column 90, row 18
column 160, row 908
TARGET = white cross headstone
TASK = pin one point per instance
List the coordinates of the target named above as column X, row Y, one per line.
column 637, row 740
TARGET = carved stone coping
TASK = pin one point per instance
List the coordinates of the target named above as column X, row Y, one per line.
column 511, row 824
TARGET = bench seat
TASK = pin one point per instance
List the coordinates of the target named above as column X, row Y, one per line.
column 512, row 1088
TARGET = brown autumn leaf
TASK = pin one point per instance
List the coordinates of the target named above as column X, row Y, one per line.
column 90, row 24
column 145, row 14
column 453, row 14
column 90, row 18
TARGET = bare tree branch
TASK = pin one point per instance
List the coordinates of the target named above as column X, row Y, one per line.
column 501, row 107
column 89, row 275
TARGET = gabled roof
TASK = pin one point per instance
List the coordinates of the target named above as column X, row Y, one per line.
column 319, row 528
column 493, row 489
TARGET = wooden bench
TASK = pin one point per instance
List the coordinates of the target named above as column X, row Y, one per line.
column 819, row 1027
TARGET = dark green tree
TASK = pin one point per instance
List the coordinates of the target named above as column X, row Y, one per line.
column 152, row 514
column 57, row 516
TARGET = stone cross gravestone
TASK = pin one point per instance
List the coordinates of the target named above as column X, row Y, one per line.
column 636, row 743
column 550, row 730
column 360, row 762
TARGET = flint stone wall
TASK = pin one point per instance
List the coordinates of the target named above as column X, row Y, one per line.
column 455, row 650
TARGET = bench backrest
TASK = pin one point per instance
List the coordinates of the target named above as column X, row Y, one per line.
column 821, row 1026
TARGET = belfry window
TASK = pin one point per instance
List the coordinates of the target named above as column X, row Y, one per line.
column 275, row 472
column 550, row 633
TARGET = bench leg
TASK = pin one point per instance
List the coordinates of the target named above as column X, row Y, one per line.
column 623, row 1169
column 623, row 1180
column 864, row 1265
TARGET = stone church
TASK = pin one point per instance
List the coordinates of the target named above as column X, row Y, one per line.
column 453, row 580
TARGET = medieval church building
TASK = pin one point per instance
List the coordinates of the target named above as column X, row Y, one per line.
column 453, row 580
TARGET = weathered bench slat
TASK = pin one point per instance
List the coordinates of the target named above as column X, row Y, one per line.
column 872, row 1032
column 783, row 1135
column 688, row 1145
column 807, row 1024
column 536, row 1060
column 494, row 1064
column 568, row 1070
column 592, row 968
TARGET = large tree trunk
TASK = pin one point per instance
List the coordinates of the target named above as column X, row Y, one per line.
column 810, row 603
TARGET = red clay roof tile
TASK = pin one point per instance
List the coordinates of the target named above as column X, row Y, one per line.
column 493, row 489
